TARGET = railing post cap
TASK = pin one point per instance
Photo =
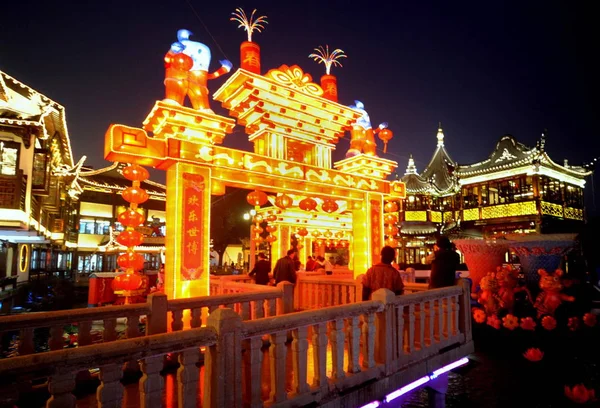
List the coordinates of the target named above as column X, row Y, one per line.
column 224, row 320
column 383, row 295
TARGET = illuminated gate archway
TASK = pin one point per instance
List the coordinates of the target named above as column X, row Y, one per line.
column 286, row 116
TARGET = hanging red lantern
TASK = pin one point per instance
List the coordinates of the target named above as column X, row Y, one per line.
column 130, row 218
column 339, row 234
column 135, row 195
column 392, row 242
column 390, row 206
column 131, row 260
column 271, row 228
column 257, row 198
column 329, row 206
column 328, row 234
column 283, row 201
column 127, row 282
column 308, row 204
column 302, row 232
column 271, row 218
column 391, row 230
column 390, row 218
column 130, row 238
column 271, row 238
column 385, row 135
column 135, row 172
column 315, row 233
column 258, row 218
column 256, row 229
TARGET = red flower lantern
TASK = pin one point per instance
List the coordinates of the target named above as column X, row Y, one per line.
column 130, row 238
column 135, row 195
column 330, row 206
column 131, row 260
column 283, row 201
column 135, row 172
column 257, row 198
column 130, row 218
column 308, row 204
column 390, row 206
column 302, row 232
column 385, row 135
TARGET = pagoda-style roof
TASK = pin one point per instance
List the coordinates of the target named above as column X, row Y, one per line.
column 440, row 170
column 24, row 107
column 415, row 184
column 511, row 157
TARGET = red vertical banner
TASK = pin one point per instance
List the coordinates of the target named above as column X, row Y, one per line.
column 376, row 231
column 193, row 227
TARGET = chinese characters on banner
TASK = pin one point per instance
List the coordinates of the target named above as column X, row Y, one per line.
column 375, row 227
column 193, row 228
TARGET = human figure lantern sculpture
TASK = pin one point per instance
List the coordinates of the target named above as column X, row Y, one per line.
column 362, row 135
column 249, row 51
column 328, row 81
column 130, row 283
column 187, row 64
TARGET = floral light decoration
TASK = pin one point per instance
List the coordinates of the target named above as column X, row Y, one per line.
column 589, row 319
column 250, row 25
column 510, row 322
column 322, row 55
column 494, row 322
column 534, row 354
column 573, row 323
column 527, row 323
column 549, row 323
column 479, row 315
column 580, row 394
column 129, row 283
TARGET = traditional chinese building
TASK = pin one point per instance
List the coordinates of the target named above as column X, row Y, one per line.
column 517, row 189
column 35, row 211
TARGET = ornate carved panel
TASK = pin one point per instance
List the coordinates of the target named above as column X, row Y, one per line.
column 508, row 210
column 552, row 209
column 471, row 214
column 415, row 215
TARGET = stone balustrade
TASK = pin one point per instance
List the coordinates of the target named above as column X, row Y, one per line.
column 350, row 354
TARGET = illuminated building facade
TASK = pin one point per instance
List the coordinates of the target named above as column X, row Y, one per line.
column 517, row 189
column 35, row 211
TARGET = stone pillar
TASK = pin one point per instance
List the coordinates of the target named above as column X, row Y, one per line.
column 384, row 329
column 223, row 361
column 61, row 387
column 286, row 303
column 157, row 318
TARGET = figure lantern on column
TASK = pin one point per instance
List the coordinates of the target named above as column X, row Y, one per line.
column 130, row 283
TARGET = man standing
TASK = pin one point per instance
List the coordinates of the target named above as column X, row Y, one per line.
column 261, row 270
column 443, row 265
column 383, row 275
column 285, row 269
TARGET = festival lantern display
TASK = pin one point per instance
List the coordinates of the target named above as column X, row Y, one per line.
column 249, row 51
column 328, row 81
column 283, row 201
column 329, row 206
column 308, row 204
column 385, row 135
column 390, row 219
column 130, row 283
column 302, row 232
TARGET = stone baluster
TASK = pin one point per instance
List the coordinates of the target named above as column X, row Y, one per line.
column 61, row 387
column 455, row 311
column 211, row 309
column 26, row 341
column 464, row 322
column 257, row 306
column 439, row 320
column 188, row 376
column 222, row 361
column 319, row 341
column 110, row 330
column 353, row 345
column 400, row 331
column 328, row 295
column 448, row 322
column 385, row 331
column 110, row 392
column 177, row 322
column 56, row 340
column 151, row 383
column 277, row 356
column 300, row 360
column 245, row 310
column 309, row 299
column 157, row 317
column 286, row 302
column 420, row 326
column 196, row 317
column 429, row 322
column 368, row 340
column 252, row 364
column 133, row 327
column 337, row 340
column 409, row 320
column 84, row 337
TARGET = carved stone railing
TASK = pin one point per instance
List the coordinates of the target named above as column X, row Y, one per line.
column 315, row 292
column 386, row 343
column 219, row 282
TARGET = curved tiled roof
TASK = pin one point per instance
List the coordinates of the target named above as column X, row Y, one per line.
column 440, row 170
column 111, row 179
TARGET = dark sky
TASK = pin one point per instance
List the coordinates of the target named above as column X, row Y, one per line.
column 482, row 68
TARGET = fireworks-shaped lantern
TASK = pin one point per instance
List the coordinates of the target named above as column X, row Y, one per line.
column 390, row 219
column 130, row 283
column 249, row 51
column 328, row 81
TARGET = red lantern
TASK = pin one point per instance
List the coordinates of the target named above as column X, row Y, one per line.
column 339, row 234
column 308, row 204
column 392, row 242
column 328, row 234
column 131, row 260
column 329, row 206
column 135, row 172
column 302, row 232
column 271, row 238
column 283, row 201
column 257, row 198
column 315, row 233
column 130, row 238
column 271, row 228
column 127, row 281
column 256, row 229
column 385, row 135
column 391, row 230
column 390, row 218
column 130, row 218
column 135, row 195
column 258, row 218
column 271, row 218
column 390, row 206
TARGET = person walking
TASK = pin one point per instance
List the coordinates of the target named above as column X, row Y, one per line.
column 328, row 266
column 443, row 265
column 383, row 275
column 285, row 268
column 260, row 272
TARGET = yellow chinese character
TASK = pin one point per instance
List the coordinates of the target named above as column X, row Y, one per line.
column 192, row 232
column 192, row 216
column 251, row 58
column 192, row 248
column 193, row 200
column 331, row 89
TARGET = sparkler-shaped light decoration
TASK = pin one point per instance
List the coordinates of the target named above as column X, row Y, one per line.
column 322, row 55
column 249, row 24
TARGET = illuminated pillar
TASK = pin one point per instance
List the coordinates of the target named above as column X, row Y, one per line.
column 329, row 85
column 367, row 232
column 250, row 57
column 188, row 225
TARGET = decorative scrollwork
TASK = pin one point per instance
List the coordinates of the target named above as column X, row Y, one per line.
column 574, row 213
column 555, row 210
column 415, row 216
column 294, row 77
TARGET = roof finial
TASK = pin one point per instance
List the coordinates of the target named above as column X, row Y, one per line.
column 411, row 168
column 440, row 135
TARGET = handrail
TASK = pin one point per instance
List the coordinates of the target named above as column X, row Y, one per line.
column 427, row 295
column 217, row 300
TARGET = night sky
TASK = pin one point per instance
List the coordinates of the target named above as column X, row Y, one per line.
column 483, row 69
